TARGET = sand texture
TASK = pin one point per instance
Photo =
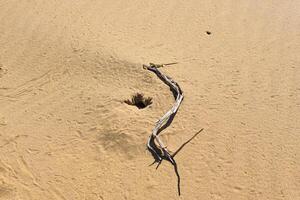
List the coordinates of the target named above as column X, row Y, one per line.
column 66, row 68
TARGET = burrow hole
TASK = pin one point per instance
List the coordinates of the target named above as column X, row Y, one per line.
column 139, row 101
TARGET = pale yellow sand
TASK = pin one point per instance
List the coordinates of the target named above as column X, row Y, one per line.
column 66, row 67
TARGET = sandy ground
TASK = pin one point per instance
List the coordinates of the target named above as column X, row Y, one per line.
column 67, row 67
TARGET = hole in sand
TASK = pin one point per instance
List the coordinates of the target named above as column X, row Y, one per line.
column 139, row 101
column 208, row 32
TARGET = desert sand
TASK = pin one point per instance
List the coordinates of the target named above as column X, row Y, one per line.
column 68, row 66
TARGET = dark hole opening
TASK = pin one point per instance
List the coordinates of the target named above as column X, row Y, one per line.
column 139, row 101
column 208, row 32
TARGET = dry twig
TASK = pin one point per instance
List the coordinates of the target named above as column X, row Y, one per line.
column 160, row 152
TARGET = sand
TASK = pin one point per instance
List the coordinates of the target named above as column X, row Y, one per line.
column 67, row 67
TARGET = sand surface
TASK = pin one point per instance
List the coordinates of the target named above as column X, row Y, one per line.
column 67, row 67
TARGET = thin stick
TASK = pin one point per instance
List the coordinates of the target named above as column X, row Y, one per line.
column 179, row 149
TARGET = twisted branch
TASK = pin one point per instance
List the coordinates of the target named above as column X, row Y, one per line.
column 157, row 148
column 160, row 151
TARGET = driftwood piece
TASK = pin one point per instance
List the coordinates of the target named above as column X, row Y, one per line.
column 155, row 145
column 168, row 117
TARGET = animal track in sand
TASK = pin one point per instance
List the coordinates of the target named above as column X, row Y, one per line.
column 6, row 191
column 3, row 71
